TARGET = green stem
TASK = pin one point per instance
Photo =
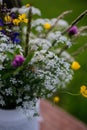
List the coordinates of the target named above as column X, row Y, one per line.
column 73, row 23
column 72, row 94
column 79, row 50
column 28, row 32
column 76, row 21
column 58, row 18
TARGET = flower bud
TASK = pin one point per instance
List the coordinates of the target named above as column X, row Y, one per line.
column 75, row 65
column 47, row 25
column 73, row 30
column 18, row 61
column 56, row 99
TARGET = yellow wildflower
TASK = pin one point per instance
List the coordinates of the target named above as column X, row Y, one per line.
column 83, row 90
column 56, row 99
column 27, row 5
column 16, row 21
column 0, row 28
column 23, row 18
column 25, row 21
column 75, row 65
column 47, row 26
column 7, row 18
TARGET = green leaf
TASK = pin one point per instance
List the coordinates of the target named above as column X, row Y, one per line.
column 10, row 55
column 29, row 57
column 18, row 69
column 6, row 76
column 17, row 51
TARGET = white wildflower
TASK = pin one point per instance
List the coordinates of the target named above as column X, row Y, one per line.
column 8, row 91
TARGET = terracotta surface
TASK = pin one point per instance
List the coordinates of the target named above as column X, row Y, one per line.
column 54, row 118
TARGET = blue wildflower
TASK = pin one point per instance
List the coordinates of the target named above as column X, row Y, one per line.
column 13, row 15
column 16, row 40
column 15, row 37
column 3, row 32
column 1, row 22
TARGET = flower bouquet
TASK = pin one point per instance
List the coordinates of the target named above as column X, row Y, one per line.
column 33, row 58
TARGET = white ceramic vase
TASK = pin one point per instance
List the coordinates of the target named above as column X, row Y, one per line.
column 16, row 120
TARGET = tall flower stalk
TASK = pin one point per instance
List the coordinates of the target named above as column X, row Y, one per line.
column 28, row 32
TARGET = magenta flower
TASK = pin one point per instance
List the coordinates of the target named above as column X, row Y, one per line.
column 73, row 30
column 18, row 61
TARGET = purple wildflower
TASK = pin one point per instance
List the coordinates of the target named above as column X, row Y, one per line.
column 18, row 61
column 73, row 30
column 16, row 34
column 1, row 22
column 3, row 32
column 13, row 15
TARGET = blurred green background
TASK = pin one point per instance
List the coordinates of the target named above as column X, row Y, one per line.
column 76, row 105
